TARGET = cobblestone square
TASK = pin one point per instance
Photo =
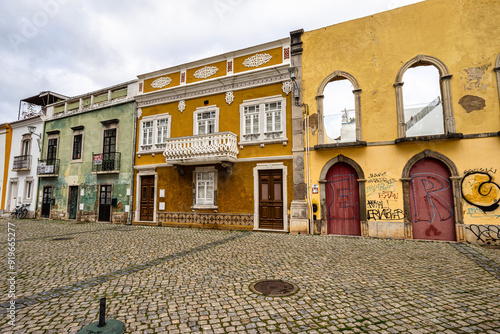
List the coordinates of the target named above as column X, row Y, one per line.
column 174, row 280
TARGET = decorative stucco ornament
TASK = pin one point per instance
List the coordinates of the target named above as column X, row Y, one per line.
column 229, row 98
column 181, row 106
column 161, row 82
column 287, row 87
column 257, row 60
column 205, row 72
column 139, row 113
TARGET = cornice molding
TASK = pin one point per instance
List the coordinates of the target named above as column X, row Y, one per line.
column 241, row 81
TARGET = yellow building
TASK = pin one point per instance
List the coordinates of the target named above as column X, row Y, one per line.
column 412, row 152
column 213, row 142
column 5, row 148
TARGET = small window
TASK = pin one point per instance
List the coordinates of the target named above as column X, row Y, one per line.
column 263, row 120
column 52, row 149
column 147, row 133
column 206, row 122
column 205, row 187
column 28, row 189
column 26, row 147
column 163, row 130
column 77, row 147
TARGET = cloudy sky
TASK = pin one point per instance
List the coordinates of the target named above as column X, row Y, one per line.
column 74, row 46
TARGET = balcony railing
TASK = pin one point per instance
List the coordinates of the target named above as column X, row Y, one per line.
column 106, row 162
column 210, row 148
column 22, row 162
column 48, row 167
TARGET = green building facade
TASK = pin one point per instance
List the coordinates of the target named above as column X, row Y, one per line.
column 85, row 168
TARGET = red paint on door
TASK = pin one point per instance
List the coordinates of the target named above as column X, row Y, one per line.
column 342, row 198
column 431, row 201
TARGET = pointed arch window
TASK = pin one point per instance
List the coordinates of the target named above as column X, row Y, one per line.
column 338, row 110
column 424, row 103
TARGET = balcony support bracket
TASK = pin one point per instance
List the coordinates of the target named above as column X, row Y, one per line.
column 228, row 166
column 179, row 169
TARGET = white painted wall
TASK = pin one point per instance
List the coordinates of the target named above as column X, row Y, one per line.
column 3, row 137
column 14, row 197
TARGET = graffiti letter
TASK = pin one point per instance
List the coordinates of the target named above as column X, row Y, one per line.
column 428, row 204
column 480, row 191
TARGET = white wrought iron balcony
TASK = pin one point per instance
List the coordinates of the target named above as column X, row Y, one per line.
column 213, row 147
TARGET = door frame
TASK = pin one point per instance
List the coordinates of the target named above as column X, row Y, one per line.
column 362, row 193
column 284, row 170
column 455, row 179
column 137, row 211
column 69, row 200
column 10, row 208
column 99, row 202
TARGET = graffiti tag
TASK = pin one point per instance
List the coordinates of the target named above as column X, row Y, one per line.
column 388, row 195
column 379, row 187
column 344, row 205
column 479, row 190
column 481, row 170
column 427, row 200
column 378, row 211
column 486, row 233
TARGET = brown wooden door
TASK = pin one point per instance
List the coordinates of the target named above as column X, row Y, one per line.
column 271, row 199
column 342, row 199
column 147, row 198
column 431, row 201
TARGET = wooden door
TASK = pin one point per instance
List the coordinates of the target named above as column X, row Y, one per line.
column 105, row 203
column 13, row 196
column 271, row 199
column 147, row 198
column 73, row 202
column 342, row 199
column 46, row 198
column 431, row 201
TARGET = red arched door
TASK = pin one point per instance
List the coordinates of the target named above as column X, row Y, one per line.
column 431, row 201
column 342, row 200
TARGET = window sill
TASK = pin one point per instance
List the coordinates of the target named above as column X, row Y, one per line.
column 339, row 145
column 204, row 207
column 264, row 141
column 76, row 161
column 429, row 138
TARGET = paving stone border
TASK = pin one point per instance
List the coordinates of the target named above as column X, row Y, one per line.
column 490, row 266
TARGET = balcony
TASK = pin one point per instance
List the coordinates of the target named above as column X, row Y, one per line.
column 104, row 163
column 214, row 147
column 47, row 168
column 21, row 163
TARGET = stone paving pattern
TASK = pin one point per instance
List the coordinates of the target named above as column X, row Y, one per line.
column 173, row 280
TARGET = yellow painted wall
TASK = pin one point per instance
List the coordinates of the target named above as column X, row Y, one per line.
column 175, row 77
column 462, row 34
column 276, row 54
column 8, row 144
column 229, row 120
column 221, row 71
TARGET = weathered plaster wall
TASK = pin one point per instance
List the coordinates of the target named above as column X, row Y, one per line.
column 80, row 173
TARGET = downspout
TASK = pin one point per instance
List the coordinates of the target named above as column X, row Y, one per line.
column 132, row 183
column 35, row 209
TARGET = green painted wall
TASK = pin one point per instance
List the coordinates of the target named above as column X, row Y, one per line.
column 79, row 173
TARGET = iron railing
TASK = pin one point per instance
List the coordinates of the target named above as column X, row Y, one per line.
column 22, row 162
column 48, row 167
column 106, row 162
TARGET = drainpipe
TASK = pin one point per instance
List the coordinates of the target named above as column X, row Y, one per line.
column 131, row 199
column 39, row 178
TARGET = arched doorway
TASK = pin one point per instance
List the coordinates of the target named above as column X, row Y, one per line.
column 431, row 201
column 342, row 200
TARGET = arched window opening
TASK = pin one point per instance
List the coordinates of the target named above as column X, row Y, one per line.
column 26, row 147
column 339, row 113
column 423, row 103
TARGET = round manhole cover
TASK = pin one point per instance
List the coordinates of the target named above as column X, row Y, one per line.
column 274, row 288
column 60, row 239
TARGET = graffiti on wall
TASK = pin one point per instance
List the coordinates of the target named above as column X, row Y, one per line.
column 378, row 210
column 382, row 197
column 486, row 233
column 429, row 188
column 479, row 190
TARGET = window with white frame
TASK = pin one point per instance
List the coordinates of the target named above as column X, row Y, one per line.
column 28, row 189
column 206, row 120
column 205, row 186
column 263, row 120
column 154, row 132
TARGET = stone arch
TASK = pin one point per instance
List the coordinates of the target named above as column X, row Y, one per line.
column 445, row 76
column 362, row 193
column 455, row 182
column 338, row 75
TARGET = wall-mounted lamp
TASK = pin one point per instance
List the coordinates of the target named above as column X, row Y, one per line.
column 292, row 71
column 32, row 130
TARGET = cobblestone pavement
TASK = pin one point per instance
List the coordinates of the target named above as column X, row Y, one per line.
column 172, row 280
